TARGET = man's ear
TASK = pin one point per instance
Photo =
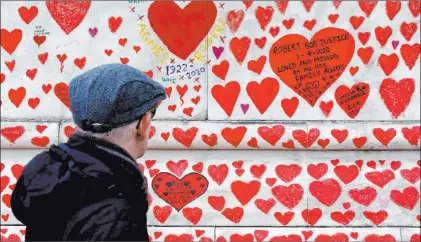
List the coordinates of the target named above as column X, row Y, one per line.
column 144, row 125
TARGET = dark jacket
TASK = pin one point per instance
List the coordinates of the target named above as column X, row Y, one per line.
column 87, row 189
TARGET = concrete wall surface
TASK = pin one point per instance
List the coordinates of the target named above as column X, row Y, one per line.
column 302, row 118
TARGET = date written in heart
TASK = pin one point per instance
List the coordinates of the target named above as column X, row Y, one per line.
column 310, row 67
column 179, row 192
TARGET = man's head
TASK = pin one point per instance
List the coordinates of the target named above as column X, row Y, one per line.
column 116, row 102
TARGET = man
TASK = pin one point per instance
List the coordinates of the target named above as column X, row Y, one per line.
column 91, row 187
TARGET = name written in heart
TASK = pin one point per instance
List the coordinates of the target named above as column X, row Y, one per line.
column 310, row 67
column 214, row 34
column 189, row 70
column 179, row 192
column 40, row 31
column 159, row 51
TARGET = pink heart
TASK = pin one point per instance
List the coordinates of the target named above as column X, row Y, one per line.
column 217, row 51
column 245, row 107
column 93, row 31
column 395, row 44
column 384, row 201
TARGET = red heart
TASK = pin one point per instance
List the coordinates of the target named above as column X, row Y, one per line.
column 28, row 15
column 43, row 57
column 235, row 214
column 61, row 58
column 68, row 131
column 354, row 235
column 375, row 237
column 260, row 42
column 136, row 48
column 308, row 4
column 367, row 6
column 412, row 134
column 31, row 73
column 62, row 92
column 270, row 181
column 33, row 102
column 380, row 179
column 199, row 233
column 290, row 105
column 40, row 141
column 333, row 18
column 356, row 21
column 288, row 196
column 185, row 137
column 17, row 96
column 351, row 100
column 246, row 237
column 10, row 65
column 335, row 237
column 264, row 16
column 12, row 133
column 410, row 54
column 304, row 138
column 311, row 216
column 41, row 128
column 193, row 214
column 257, row 65
column 122, row 41
column 6, row 199
column 234, row 19
column 182, row 237
column 221, row 70
column 1, row 166
column 335, row 162
column 282, row 6
column 310, row 85
column 291, row 237
column 384, row 136
column 288, row 23
column 408, row 30
column 343, row 218
column 323, row 142
column 288, row 173
column 10, row 40
column 80, row 62
column 274, row 31
column 414, row 7
column 239, row 172
column 177, row 168
column 238, row 164
column 285, row 218
column 415, row 238
column 260, row 235
column 253, row 143
column 397, row 95
column 308, row 234
column 234, row 136
column 317, row 171
column 257, row 170
column 68, row 14
column 339, row 135
column 413, row 175
column 189, row 25
column 244, row 192
column 408, row 198
column 265, row 205
column 392, row 8
column 388, row 63
column 289, row 144
column 326, row 107
column 239, row 48
column 226, row 96
column 218, row 173
column 210, row 140
column 347, row 173
column 364, row 37
column 39, row 40
column 383, row 34
column 124, row 60
column 173, row 190
column 114, row 23
column 353, row 70
column 359, row 163
column 376, row 217
column 363, row 196
column 309, row 24
column 4, row 182
column 271, row 135
column 365, row 54
column 217, row 203
column 326, row 192
column 359, row 141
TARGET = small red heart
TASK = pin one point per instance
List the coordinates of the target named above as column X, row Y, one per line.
column 270, row 181
column 122, row 41
column 238, row 164
column 354, row 235
column 150, row 163
column 136, row 48
column 309, row 24
column 289, row 144
column 198, row 167
column 333, row 18
column 274, row 31
column 239, row 172
column 353, row 70
column 335, row 162
column 41, row 128
column 395, row 165
column 108, row 52
column 346, row 205
column 371, row 164
column 359, row 163
column 288, row 23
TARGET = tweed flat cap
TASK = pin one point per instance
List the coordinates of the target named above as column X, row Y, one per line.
column 112, row 95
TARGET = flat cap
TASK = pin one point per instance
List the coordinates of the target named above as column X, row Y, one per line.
column 112, row 95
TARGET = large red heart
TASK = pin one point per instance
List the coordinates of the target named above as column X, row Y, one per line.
column 61, row 90
column 68, row 14
column 244, row 192
column 327, row 191
column 408, row 198
column 311, row 67
column 179, row 192
column 182, row 30
column 397, row 95
column 12, row 133
column 10, row 40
